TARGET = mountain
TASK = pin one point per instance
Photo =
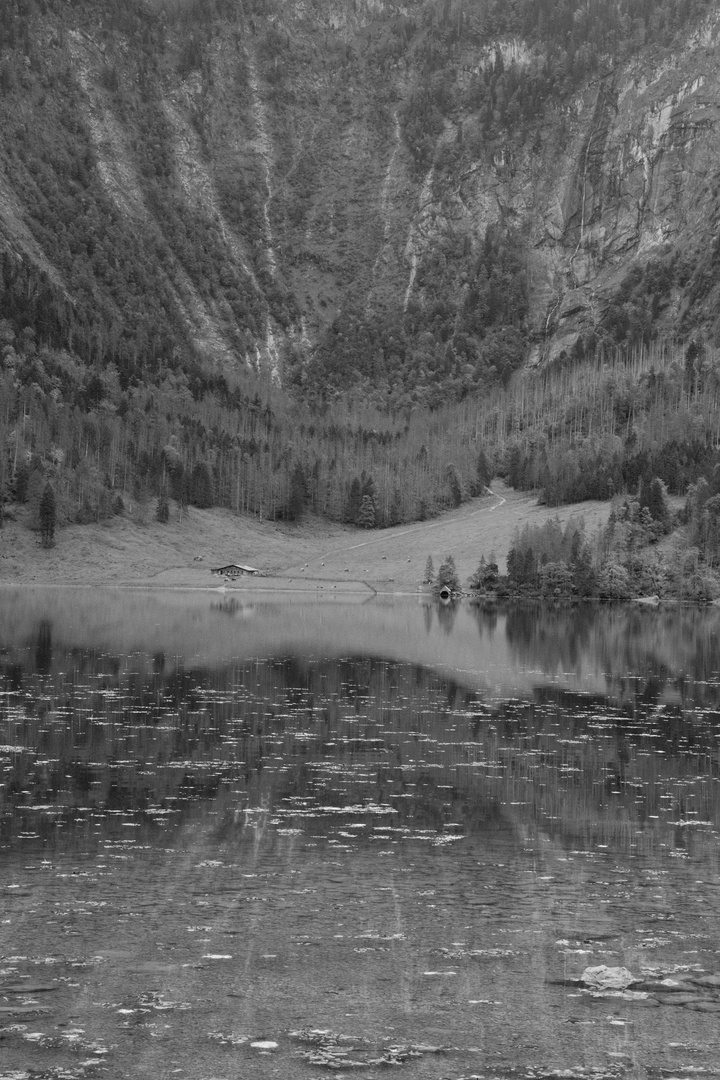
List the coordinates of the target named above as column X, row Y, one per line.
column 371, row 204
column 387, row 187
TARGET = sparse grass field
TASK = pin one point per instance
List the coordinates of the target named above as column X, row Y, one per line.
column 307, row 555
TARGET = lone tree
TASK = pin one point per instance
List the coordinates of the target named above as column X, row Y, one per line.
column 429, row 571
column 47, row 517
column 366, row 517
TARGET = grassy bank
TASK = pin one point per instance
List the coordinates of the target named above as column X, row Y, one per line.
column 309, row 554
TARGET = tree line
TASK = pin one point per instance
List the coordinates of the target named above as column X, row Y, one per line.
column 624, row 559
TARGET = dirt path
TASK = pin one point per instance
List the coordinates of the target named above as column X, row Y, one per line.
column 313, row 555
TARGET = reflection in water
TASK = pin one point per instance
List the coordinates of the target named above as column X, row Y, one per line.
column 446, row 612
column 43, row 648
column 419, row 855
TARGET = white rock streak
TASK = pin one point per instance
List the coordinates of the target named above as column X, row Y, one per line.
column 418, row 232
column 263, row 145
column 387, row 195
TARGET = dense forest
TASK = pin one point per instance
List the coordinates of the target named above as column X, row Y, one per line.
column 154, row 349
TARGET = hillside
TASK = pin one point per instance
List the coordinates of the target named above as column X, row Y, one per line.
column 376, row 190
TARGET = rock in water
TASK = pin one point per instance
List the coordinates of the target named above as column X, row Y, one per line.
column 607, row 978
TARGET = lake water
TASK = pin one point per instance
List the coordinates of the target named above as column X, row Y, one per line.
column 255, row 837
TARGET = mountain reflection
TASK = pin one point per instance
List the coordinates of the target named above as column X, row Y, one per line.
column 90, row 738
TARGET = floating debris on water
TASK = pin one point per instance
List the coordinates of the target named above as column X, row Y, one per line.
column 229, row 1038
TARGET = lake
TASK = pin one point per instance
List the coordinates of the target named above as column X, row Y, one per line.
column 243, row 835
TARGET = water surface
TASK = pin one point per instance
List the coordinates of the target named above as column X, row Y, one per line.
column 285, row 838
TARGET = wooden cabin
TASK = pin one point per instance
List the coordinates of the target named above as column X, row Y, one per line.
column 234, row 570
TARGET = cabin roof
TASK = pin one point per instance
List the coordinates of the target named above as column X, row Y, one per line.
column 235, row 566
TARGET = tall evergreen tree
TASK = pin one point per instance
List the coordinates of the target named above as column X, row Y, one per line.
column 47, row 516
column 162, row 513
column 484, row 472
column 366, row 517
column 201, row 486
column 354, row 501
column 298, row 494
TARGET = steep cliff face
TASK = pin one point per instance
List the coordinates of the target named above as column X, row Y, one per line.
column 266, row 183
column 637, row 183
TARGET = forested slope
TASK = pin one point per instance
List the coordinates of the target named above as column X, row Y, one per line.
column 272, row 255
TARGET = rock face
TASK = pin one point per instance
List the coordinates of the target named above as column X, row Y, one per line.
column 264, row 166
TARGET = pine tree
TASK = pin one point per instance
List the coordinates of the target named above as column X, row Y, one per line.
column 429, row 571
column 47, row 517
column 454, row 485
column 366, row 517
column 484, row 472
column 354, row 501
column 657, row 502
column 162, row 513
column 298, row 494
column 201, row 486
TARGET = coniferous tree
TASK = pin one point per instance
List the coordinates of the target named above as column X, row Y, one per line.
column 454, row 485
column 366, row 517
column 354, row 501
column 657, row 502
column 22, row 479
column 429, row 571
column 298, row 494
column 484, row 472
column 162, row 514
column 584, row 576
column 201, row 487
column 47, row 517
column 514, row 566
